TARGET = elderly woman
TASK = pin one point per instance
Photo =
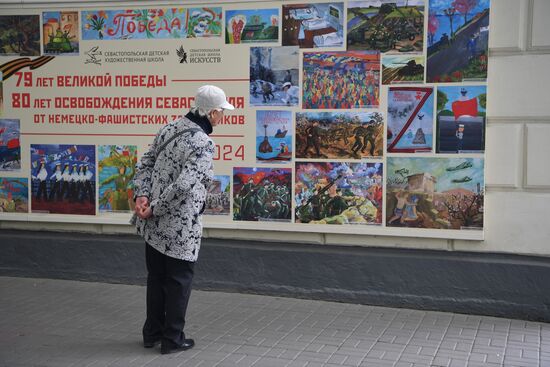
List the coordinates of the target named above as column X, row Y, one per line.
column 170, row 193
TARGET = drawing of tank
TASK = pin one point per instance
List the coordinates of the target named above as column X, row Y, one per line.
column 411, row 68
column 59, row 43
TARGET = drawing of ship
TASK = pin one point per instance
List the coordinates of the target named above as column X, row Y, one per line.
column 281, row 133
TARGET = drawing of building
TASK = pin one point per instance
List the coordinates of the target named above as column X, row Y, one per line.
column 423, row 182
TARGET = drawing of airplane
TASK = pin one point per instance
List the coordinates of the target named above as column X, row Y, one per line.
column 463, row 165
column 403, row 172
column 461, row 180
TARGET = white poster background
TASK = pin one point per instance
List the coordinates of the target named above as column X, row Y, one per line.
column 182, row 80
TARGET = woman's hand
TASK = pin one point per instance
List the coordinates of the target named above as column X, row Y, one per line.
column 142, row 209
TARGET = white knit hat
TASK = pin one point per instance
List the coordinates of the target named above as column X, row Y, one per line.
column 210, row 97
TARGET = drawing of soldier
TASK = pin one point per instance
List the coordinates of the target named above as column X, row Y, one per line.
column 313, row 138
column 317, row 206
column 472, row 45
column 364, row 135
column 247, row 199
column 277, row 210
column 336, row 205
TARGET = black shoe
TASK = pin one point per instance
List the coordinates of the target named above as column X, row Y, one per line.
column 169, row 347
column 151, row 343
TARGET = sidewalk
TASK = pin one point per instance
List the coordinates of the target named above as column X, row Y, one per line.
column 61, row 323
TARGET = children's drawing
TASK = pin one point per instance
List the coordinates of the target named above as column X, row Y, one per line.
column 60, row 32
column 63, row 179
column 393, row 26
column 251, row 26
column 274, row 76
column 341, row 79
column 339, row 135
column 313, row 25
column 458, row 33
column 461, row 119
column 402, row 69
column 261, row 194
column 1, row 93
column 437, row 193
column 217, row 201
column 14, row 195
column 116, row 165
column 134, row 24
column 273, row 136
column 338, row 193
column 204, row 22
column 20, row 35
column 410, row 119
column 10, row 147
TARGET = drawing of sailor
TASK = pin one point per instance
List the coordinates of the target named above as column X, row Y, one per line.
column 42, row 176
column 73, row 183
column 56, row 177
column 459, row 137
column 463, row 95
column 65, row 177
column 80, row 192
column 88, row 187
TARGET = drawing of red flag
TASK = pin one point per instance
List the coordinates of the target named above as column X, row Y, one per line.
column 13, row 143
column 468, row 107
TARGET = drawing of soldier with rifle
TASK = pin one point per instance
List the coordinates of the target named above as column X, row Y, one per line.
column 306, row 213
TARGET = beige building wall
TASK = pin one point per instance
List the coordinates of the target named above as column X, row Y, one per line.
column 517, row 149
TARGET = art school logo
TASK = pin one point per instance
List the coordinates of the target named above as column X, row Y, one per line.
column 199, row 56
column 93, row 56
column 182, row 55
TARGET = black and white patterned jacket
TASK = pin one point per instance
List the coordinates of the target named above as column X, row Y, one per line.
column 175, row 181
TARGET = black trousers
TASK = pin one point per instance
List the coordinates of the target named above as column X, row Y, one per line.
column 168, row 291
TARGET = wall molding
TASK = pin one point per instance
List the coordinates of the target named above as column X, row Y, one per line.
column 518, row 190
column 528, row 31
column 518, row 120
column 528, row 24
column 539, row 49
column 503, row 52
column 525, row 183
column 502, row 188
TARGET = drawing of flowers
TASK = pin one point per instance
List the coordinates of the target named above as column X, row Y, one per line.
column 96, row 22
